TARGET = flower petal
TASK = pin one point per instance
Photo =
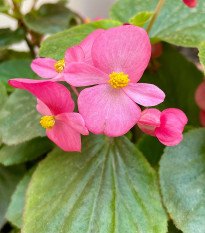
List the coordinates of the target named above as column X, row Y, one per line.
column 109, row 110
column 200, row 96
column 122, row 49
column 190, row 3
column 172, row 124
column 202, row 117
column 54, row 95
column 74, row 54
column 63, row 135
column 43, row 109
column 82, row 74
column 144, row 94
column 149, row 120
column 87, row 44
column 44, row 67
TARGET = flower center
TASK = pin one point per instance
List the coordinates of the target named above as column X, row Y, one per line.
column 60, row 65
column 47, row 122
column 118, row 80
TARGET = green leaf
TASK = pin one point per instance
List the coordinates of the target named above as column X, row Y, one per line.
column 16, row 69
column 3, row 6
column 24, row 152
column 51, row 18
column 182, row 175
column 202, row 54
column 151, row 148
column 179, row 79
column 8, row 54
column 56, row 45
column 176, row 23
column 9, row 177
column 19, row 120
column 108, row 187
column 3, row 95
column 14, row 213
column 172, row 228
column 8, row 37
column 140, row 19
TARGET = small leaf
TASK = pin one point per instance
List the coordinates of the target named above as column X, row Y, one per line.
column 9, row 177
column 8, row 37
column 179, row 79
column 14, row 213
column 16, row 69
column 182, row 179
column 202, row 54
column 24, row 152
column 19, row 120
column 50, row 18
column 176, row 23
column 140, row 19
column 56, row 45
column 108, row 187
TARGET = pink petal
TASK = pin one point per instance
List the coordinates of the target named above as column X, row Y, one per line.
column 82, row 74
column 200, row 96
column 87, row 44
column 144, row 94
column 107, row 110
column 63, row 135
column 202, row 117
column 190, row 3
column 172, row 124
column 74, row 54
column 42, row 108
column 149, row 120
column 54, row 95
column 44, row 67
column 75, row 121
column 122, row 49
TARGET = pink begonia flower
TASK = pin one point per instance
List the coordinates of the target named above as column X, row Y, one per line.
column 190, row 3
column 54, row 101
column 202, row 117
column 200, row 96
column 52, row 69
column 167, row 125
column 119, row 55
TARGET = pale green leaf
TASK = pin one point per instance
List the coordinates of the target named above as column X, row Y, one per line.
column 176, row 23
column 202, row 53
column 140, row 19
column 14, row 213
column 24, row 152
column 56, row 45
column 3, row 94
column 19, row 119
column 9, row 177
column 108, row 187
column 182, row 180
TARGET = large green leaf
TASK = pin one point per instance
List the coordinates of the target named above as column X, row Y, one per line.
column 8, row 37
column 108, row 187
column 14, row 213
column 26, row 151
column 50, row 18
column 9, row 177
column 3, row 94
column 179, row 79
column 16, row 69
column 19, row 120
column 56, row 45
column 182, row 179
column 8, row 54
column 202, row 54
column 176, row 23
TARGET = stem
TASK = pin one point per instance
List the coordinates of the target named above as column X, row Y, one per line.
column 30, row 47
column 157, row 10
column 75, row 90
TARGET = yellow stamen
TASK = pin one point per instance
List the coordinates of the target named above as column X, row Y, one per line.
column 60, row 65
column 118, row 80
column 47, row 122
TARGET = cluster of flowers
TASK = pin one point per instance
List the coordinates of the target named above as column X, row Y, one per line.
column 111, row 62
column 200, row 100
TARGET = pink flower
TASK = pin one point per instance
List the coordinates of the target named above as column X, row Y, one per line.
column 167, row 125
column 200, row 100
column 202, row 117
column 120, row 56
column 52, row 69
column 190, row 3
column 63, row 126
